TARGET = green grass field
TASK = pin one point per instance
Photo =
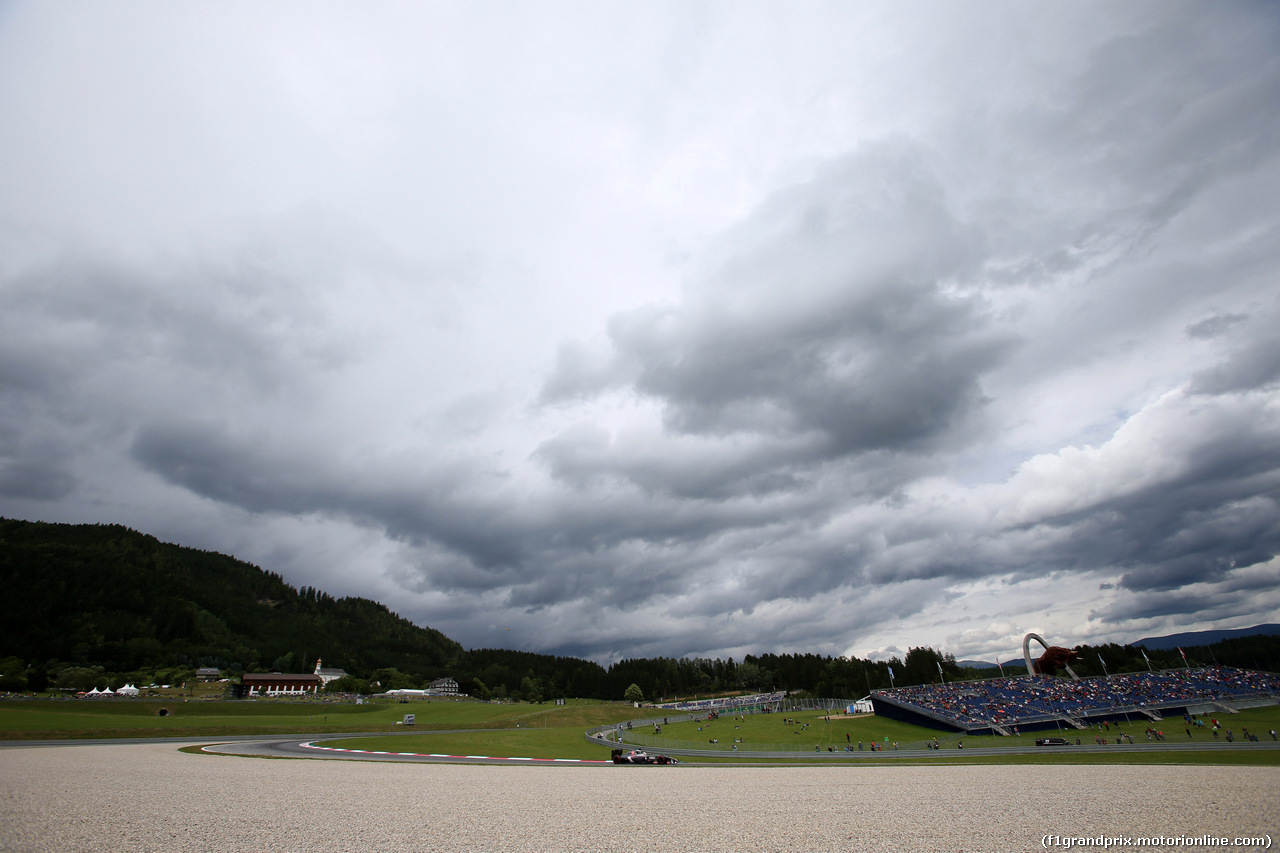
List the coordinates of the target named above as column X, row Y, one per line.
column 96, row 718
column 552, row 742
column 771, row 732
column 761, row 733
column 551, row 731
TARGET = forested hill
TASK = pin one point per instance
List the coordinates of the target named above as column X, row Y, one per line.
column 108, row 596
column 98, row 605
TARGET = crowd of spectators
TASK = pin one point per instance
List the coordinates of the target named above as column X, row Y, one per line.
column 1007, row 702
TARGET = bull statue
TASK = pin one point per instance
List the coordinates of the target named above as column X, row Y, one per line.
column 1053, row 659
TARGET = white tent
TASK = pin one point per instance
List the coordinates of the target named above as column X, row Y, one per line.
column 127, row 690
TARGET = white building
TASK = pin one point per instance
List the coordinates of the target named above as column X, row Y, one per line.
column 327, row 674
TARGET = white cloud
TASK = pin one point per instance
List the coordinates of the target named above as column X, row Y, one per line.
column 618, row 331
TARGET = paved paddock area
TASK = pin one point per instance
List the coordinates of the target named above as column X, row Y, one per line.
column 151, row 797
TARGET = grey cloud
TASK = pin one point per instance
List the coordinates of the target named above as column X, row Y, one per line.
column 1221, row 514
column 42, row 480
column 586, row 455
column 892, row 372
column 1234, row 594
column 233, row 327
column 1253, row 365
column 1214, row 515
column 23, row 373
column 1144, row 606
column 580, row 372
column 36, row 459
column 831, row 324
column 488, row 541
column 210, row 460
column 1215, row 326
column 1133, row 145
column 899, row 283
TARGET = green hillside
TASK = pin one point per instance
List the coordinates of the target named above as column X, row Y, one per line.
column 96, row 605
column 108, row 596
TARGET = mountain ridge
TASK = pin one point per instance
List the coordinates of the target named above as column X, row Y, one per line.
column 1205, row 638
column 124, row 604
column 122, row 599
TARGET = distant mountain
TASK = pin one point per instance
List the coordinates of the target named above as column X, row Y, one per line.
column 1257, row 651
column 987, row 664
column 1204, row 638
column 105, row 595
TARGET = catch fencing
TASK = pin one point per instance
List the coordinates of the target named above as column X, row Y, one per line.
column 816, row 736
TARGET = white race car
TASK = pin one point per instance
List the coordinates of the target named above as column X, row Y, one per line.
column 639, row 756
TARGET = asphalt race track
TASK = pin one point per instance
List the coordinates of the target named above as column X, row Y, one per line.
column 294, row 748
column 153, row 797
column 297, row 748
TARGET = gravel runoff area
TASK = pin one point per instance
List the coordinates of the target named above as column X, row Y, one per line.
column 153, row 798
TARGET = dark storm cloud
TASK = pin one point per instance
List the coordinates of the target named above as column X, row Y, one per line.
column 259, row 475
column 832, row 328
column 1216, row 599
column 940, row 333
column 229, row 324
column 1166, row 132
column 1215, row 326
column 37, row 479
column 36, row 464
column 887, row 371
column 479, row 540
column 1210, row 507
column 588, row 455
column 1255, row 364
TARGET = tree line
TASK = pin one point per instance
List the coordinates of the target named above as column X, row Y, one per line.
column 106, row 596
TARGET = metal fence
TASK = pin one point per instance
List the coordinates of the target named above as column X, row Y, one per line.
column 817, row 737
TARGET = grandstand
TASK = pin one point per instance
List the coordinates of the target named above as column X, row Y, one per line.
column 1037, row 702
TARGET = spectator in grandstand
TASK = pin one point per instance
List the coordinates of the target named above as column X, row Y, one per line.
column 1009, row 701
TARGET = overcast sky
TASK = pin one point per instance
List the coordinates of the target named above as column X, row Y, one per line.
column 636, row 329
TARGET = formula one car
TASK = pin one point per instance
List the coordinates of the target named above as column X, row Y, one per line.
column 639, row 756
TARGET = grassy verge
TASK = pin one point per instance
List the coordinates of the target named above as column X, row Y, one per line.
column 555, row 743
column 551, row 731
column 110, row 718
column 567, row 742
column 802, row 732
column 533, row 743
